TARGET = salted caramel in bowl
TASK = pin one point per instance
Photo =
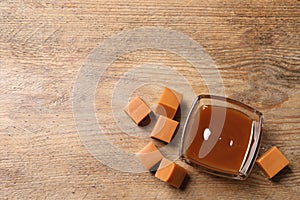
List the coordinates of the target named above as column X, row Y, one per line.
column 221, row 136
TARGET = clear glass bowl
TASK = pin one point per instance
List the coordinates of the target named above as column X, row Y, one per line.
column 221, row 136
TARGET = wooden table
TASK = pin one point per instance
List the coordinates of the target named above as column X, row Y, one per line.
column 44, row 45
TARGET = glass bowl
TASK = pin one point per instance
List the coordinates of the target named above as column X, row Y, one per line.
column 221, row 136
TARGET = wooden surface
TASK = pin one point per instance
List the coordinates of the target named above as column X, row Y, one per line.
column 43, row 44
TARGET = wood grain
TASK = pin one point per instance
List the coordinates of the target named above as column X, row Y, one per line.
column 43, row 44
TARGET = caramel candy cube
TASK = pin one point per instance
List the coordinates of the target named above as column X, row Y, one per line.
column 164, row 129
column 137, row 110
column 272, row 162
column 149, row 156
column 168, row 103
column 171, row 173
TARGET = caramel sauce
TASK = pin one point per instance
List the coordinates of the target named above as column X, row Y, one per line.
column 221, row 139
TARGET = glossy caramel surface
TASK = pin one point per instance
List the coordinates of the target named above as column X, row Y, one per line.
column 221, row 140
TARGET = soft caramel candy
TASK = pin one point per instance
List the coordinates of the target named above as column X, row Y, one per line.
column 149, row 156
column 164, row 129
column 168, row 103
column 272, row 162
column 137, row 110
column 171, row 173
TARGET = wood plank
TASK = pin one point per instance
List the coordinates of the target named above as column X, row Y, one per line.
column 255, row 46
